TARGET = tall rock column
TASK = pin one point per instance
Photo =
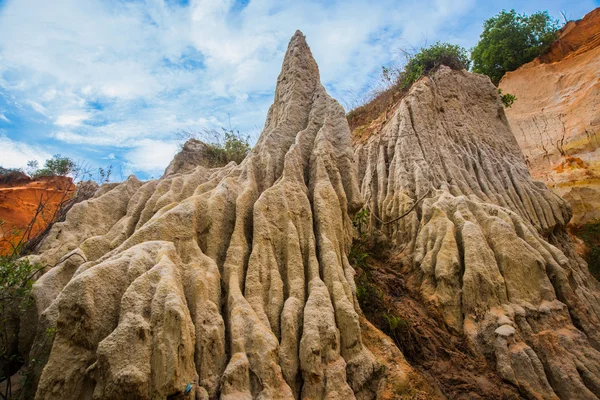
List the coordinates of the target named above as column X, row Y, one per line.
column 234, row 280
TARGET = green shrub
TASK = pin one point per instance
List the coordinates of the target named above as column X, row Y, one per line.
column 223, row 146
column 507, row 99
column 56, row 165
column 235, row 146
column 510, row 40
column 360, row 221
column 16, row 280
column 430, row 59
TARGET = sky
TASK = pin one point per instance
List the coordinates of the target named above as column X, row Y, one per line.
column 111, row 82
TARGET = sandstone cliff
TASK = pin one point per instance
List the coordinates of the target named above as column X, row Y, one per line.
column 235, row 282
column 479, row 241
column 555, row 118
column 25, row 201
column 229, row 283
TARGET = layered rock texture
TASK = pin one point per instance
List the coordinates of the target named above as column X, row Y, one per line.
column 556, row 117
column 229, row 282
column 28, row 205
column 481, row 242
column 234, row 282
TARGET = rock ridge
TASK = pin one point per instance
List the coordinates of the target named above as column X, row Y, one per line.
column 486, row 246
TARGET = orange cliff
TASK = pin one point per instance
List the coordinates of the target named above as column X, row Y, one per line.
column 556, row 117
column 20, row 200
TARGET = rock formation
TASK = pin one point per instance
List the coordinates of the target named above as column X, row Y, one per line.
column 234, row 282
column 555, row 118
column 229, row 282
column 448, row 188
column 192, row 154
column 20, row 201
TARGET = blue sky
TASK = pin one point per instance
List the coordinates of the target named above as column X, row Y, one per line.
column 110, row 82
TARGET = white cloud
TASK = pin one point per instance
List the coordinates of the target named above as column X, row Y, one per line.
column 16, row 154
column 37, row 107
column 3, row 118
column 112, row 72
column 151, row 155
column 70, row 120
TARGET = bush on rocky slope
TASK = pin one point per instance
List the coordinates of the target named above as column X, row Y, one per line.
column 430, row 59
column 220, row 147
column 397, row 81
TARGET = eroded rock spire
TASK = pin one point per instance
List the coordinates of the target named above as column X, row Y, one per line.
column 234, row 279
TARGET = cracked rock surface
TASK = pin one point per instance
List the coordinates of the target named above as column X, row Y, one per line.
column 556, row 117
column 486, row 243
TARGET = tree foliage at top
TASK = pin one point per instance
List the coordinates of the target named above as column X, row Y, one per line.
column 56, row 165
column 510, row 40
column 431, row 58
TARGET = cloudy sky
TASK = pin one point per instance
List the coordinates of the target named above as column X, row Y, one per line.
column 111, row 81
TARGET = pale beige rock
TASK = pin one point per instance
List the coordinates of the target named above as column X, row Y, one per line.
column 234, row 279
column 192, row 154
column 487, row 244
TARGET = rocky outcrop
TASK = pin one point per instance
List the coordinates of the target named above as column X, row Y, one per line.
column 229, row 283
column 555, row 117
column 484, row 245
column 28, row 205
column 193, row 153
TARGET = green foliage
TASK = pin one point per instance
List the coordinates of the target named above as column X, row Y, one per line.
column 56, row 165
column 590, row 234
column 369, row 296
column 376, row 305
column 396, row 326
column 235, row 146
column 507, row 99
column 16, row 280
column 510, row 40
column 223, row 146
column 360, row 221
column 430, row 59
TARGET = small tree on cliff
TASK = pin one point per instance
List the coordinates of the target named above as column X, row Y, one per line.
column 56, row 165
column 510, row 40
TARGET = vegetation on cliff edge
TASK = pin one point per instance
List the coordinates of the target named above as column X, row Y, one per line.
column 510, row 40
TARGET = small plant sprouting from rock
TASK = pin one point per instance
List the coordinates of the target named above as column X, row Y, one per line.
column 360, row 221
column 507, row 98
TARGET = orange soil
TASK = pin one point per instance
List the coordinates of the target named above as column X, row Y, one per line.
column 19, row 201
column 556, row 117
